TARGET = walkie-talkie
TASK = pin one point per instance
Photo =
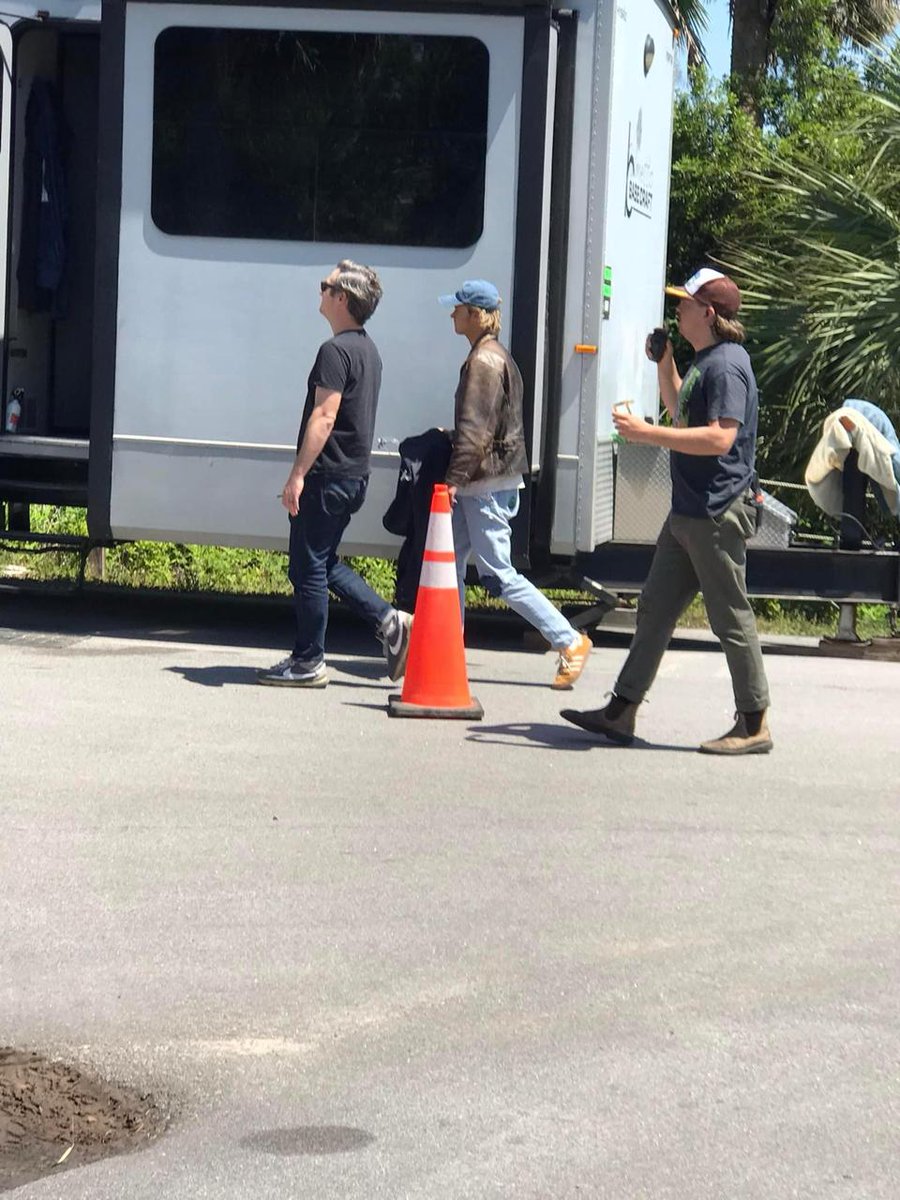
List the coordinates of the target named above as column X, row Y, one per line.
column 659, row 339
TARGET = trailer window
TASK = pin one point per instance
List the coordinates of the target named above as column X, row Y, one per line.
column 319, row 137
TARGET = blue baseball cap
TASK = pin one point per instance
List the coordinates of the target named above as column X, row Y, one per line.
column 476, row 293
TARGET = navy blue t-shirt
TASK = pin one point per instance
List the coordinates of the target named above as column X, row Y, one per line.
column 348, row 363
column 719, row 385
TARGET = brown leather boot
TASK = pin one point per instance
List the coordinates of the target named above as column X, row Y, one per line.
column 615, row 721
column 750, row 735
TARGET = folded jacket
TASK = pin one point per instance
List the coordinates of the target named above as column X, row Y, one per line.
column 823, row 477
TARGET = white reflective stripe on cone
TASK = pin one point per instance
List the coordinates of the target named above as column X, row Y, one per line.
column 440, row 533
column 438, row 575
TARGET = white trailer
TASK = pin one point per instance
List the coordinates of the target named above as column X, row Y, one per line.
column 204, row 165
column 219, row 158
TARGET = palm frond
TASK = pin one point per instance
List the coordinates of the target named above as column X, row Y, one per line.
column 693, row 24
column 822, row 291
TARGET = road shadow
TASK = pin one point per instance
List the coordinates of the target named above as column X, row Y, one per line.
column 371, row 707
column 535, row 734
column 370, row 668
column 516, row 683
column 234, row 676
column 267, row 622
column 381, row 681
column 543, row 736
column 224, row 676
column 308, row 1139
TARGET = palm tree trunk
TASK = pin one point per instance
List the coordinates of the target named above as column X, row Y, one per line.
column 751, row 24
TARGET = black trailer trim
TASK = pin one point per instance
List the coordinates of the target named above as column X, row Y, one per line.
column 796, row 573
column 526, row 297
column 544, row 498
column 484, row 7
column 15, row 33
column 106, row 271
column 827, row 574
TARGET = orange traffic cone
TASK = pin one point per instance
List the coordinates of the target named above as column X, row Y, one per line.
column 435, row 684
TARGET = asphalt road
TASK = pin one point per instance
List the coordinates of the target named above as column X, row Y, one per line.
column 365, row 958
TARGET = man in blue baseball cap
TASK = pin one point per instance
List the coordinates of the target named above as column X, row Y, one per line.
column 486, row 469
column 477, row 293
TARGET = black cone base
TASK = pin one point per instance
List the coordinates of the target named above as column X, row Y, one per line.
column 396, row 708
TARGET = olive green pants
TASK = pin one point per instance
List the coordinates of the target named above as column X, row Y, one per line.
column 709, row 555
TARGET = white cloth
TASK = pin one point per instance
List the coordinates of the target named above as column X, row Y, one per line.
column 823, row 471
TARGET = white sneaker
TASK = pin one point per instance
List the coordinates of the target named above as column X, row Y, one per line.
column 292, row 672
column 279, row 666
column 395, row 639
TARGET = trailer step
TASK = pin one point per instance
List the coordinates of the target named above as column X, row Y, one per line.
column 23, row 445
column 69, row 494
column 66, row 541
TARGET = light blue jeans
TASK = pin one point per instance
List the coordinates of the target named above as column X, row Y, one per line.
column 481, row 528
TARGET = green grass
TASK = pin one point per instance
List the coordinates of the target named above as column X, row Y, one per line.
column 156, row 564
column 801, row 618
column 171, row 566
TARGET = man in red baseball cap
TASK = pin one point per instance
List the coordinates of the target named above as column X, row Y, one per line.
column 702, row 546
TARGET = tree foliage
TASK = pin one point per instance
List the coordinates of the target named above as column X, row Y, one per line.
column 823, row 291
column 711, row 203
column 803, row 207
column 771, row 38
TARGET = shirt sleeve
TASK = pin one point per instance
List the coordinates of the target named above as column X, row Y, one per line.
column 331, row 369
column 726, row 395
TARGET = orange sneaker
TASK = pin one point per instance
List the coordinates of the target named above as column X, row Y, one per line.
column 571, row 664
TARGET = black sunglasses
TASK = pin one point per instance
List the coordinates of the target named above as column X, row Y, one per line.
column 325, row 286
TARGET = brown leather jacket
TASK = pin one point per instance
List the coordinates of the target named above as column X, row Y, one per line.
column 489, row 434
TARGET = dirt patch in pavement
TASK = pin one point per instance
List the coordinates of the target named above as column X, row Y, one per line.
column 54, row 1116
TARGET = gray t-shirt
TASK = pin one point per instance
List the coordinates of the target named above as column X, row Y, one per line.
column 350, row 364
column 719, row 385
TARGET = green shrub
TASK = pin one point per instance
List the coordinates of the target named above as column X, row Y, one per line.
column 242, row 571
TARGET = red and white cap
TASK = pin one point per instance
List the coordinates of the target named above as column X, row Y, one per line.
column 713, row 288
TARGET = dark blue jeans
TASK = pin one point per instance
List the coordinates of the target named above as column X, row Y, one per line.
column 326, row 506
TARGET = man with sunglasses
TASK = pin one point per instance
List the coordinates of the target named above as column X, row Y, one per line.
column 328, row 482
column 702, row 546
